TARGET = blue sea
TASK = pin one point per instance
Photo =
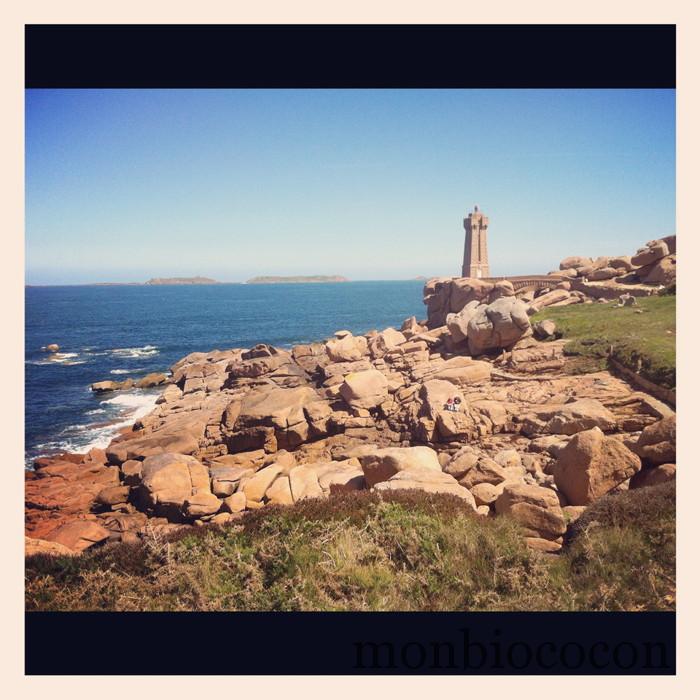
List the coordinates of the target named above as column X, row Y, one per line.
column 116, row 332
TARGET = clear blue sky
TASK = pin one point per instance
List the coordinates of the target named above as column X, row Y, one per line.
column 123, row 185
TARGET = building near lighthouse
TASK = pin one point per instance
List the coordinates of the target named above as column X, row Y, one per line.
column 476, row 257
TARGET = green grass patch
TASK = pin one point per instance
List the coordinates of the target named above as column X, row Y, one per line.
column 409, row 551
column 644, row 343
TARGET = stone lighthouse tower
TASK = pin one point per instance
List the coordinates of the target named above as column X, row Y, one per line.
column 476, row 256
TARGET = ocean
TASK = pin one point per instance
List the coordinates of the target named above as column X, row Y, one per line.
column 116, row 332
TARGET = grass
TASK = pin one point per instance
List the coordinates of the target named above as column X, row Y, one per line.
column 644, row 343
column 360, row 551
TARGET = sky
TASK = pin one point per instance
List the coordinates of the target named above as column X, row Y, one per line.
column 125, row 185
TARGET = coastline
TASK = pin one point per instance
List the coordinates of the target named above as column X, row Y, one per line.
column 80, row 439
column 266, row 425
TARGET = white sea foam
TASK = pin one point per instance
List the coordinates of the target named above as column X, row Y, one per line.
column 58, row 358
column 125, row 353
column 80, row 439
column 144, row 351
column 84, row 441
column 140, row 403
column 123, row 371
column 133, row 406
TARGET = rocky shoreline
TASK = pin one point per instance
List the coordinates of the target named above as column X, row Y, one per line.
column 474, row 401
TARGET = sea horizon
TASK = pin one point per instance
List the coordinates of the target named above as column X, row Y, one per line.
column 216, row 284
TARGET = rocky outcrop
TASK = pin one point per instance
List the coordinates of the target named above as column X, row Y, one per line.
column 411, row 409
column 661, row 272
column 428, row 481
column 34, row 546
column 444, row 295
column 365, row 390
column 483, row 471
column 544, row 329
column 650, row 253
column 498, row 325
column 657, row 443
column 170, row 481
column 389, row 339
column 592, row 465
column 461, row 371
column 151, row 380
column 452, row 302
column 183, row 441
column 232, row 458
column 568, row 419
column 575, row 262
column 653, row 476
column 382, row 464
column 347, row 349
column 108, row 385
column 538, row 511
column 556, row 297
column 59, row 490
column 78, row 535
column 271, row 419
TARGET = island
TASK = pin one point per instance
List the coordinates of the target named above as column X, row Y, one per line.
column 182, row 280
column 297, row 279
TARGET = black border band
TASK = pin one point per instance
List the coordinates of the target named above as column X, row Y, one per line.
column 350, row 643
column 350, row 56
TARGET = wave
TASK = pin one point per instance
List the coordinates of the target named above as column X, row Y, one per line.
column 81, row 442
column 81, row 438
column 144, row 351
column 125, row 353
column 58, row 358
column 125, row 371
column 139, row 402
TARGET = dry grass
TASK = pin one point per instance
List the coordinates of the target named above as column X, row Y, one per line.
column 412, row 551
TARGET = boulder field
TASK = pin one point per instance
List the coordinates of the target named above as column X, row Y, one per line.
column 237, row 430
column 474, row 405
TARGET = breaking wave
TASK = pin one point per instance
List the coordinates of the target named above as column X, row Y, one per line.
column 117, row 413
column 59, row 358
column 140, row 403
column 144, row 351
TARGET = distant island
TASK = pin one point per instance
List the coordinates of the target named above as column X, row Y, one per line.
column 182, row 280
column 153, row 281
column 298, row 279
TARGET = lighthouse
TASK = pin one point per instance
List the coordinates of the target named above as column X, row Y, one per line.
column 476, row 256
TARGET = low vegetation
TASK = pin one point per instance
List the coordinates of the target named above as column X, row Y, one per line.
column 360, row 551
column 643, row 342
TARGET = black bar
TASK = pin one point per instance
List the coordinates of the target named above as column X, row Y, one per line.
column 347, row 56
column 344, row 643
